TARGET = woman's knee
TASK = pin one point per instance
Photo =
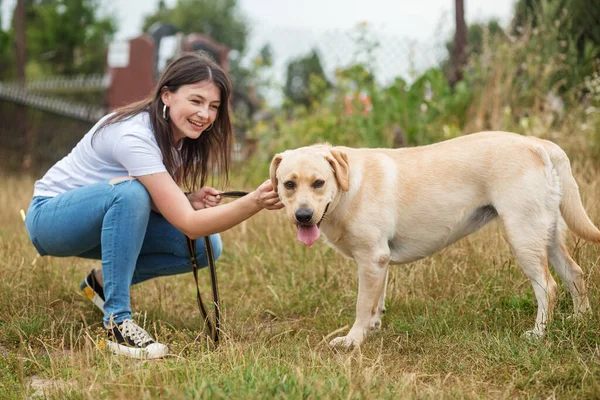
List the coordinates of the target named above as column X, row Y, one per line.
column 133, row 193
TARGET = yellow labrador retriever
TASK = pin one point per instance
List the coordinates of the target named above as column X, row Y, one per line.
column 394, row 206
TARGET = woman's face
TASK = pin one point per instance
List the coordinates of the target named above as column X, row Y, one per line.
column 192, row 108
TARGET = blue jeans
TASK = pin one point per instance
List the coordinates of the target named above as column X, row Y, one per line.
column 113, row 223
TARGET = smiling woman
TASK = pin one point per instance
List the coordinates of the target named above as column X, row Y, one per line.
column 117, row 197
column 194, row 108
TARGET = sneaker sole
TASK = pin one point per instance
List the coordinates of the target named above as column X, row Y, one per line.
column 152, row 352
column 91, row 295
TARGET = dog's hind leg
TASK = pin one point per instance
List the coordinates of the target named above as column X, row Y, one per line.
column 568, row 270
column 529, row 241
column 529, row 207
column 372, row 277
column 530, row 221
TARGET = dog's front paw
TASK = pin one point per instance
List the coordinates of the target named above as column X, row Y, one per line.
column 375, row 324
column 345, row 342
column 533, row 335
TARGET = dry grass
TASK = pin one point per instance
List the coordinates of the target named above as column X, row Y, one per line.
column 452, row 330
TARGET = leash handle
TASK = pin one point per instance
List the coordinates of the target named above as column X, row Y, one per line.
column 233, row 194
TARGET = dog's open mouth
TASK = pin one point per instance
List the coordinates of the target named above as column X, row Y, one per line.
column 308, row 234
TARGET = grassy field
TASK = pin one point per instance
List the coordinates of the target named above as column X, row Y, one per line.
column 452, row 330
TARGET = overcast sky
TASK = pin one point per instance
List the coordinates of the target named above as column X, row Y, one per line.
column 409, row 30
column 405, row 18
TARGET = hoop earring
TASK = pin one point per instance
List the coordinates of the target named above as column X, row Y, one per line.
column 209, row 127
column 165, row 116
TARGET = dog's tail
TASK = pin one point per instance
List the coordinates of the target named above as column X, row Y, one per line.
column 571, row 207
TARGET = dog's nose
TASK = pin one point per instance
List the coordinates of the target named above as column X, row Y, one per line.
column 304, row 215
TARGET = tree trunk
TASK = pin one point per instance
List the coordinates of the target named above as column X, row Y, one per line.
column 20, row 47
column 459, row 57
column 20, row 40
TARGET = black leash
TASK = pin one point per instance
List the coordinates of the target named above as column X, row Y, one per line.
column 213, row 329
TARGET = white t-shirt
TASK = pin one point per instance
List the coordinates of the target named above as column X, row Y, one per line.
column 120, row 149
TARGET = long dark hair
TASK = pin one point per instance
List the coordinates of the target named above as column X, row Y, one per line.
column 209, row 153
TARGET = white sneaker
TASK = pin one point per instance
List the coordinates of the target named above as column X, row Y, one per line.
column 131, row 340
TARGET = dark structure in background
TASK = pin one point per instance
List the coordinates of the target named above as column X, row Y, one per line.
column 158, row 31
column 133, row 75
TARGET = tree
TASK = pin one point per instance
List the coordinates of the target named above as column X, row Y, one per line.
column 566, row 33
column 218, row 19
column 301, row 73
column 67, row 37
column 459, row 54
column 20, row 40
column 582, row 19
column 7, row 53
column 476, row 34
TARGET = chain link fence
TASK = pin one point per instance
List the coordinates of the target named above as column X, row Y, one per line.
column 387, row 54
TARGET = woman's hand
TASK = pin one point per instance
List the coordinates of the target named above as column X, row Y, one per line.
column 204, row 197
column 267, row 197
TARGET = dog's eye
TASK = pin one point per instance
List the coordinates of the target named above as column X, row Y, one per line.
column 318, row 184
column 289, row 185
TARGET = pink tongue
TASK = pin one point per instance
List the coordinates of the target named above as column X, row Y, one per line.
column 308, row 234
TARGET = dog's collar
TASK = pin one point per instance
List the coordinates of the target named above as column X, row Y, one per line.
column 324, row 212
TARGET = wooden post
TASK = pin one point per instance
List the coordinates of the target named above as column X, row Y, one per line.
column 459, row 56
column 21, row 114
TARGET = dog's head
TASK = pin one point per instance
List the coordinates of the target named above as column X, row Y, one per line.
column 307, row 180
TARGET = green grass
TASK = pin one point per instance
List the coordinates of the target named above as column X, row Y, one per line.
column 453, row 327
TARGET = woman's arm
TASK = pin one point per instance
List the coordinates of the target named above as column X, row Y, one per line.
column 176, row 208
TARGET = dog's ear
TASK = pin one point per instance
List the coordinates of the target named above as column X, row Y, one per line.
column 273, row 170
column 339, row 161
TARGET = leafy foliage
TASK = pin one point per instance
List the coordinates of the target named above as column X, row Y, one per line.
column 66, row 36
column 582, row 16
column 219, row 19
column 7, row 56
column 300, row 72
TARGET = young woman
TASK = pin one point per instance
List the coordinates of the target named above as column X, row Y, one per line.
column 117, row 197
